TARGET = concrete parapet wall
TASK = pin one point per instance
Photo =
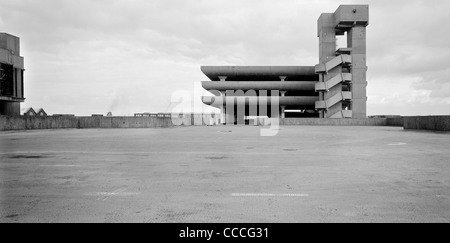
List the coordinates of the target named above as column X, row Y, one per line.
column 12, row 123
column 436, row 123
column 30, row 122
column 196, row 120
column 123, row 122
column 60, row 122
column 138, row 122
column 395, row 122
column 57, row 122
column 333, row 122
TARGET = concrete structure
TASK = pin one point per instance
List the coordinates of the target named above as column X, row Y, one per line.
column 11, row 75
column 249, row 91
column 335, row 88
column 342, row 73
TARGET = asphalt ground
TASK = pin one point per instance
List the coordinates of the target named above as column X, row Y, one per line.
column 225, row 174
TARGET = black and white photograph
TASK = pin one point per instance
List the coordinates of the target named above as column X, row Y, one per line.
column 194, row 113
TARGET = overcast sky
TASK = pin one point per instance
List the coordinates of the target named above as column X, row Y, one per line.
column 94, row 56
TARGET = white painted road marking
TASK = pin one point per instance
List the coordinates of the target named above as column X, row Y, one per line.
column 267, row 195
column 138, row 152
column 59, row 165
column 116, row 193
column 110, row 194
column 257, row 166
column 397, row 144
column 103, row 196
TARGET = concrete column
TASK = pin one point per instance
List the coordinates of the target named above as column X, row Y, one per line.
column 19, row 91
column 283, row 94
column 22, row 95
column 327, row 51
column 283, row 115
column 357, row 41
column 223, row 109
column 321, row 95
column 223, row 78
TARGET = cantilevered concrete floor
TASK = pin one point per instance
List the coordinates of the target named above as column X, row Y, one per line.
column 225, row 174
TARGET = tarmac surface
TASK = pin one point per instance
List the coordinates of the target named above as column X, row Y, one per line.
column 225, row 174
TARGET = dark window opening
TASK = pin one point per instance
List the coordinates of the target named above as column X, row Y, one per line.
column 6, row 80
column 21, row 86
column 15, row 82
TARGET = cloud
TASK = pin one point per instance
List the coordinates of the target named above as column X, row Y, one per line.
column 90, row 56
column 438, row 82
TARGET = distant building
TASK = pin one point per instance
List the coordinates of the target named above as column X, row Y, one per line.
column 62, row 115
column 11, row 75
column 41, row 112
column 109, row 114
column 30, row 112
column 97, row 115
column 146, row 114
column 385, row 116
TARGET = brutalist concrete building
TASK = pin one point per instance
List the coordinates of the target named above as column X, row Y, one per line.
column 11, row 75
column 334, row 88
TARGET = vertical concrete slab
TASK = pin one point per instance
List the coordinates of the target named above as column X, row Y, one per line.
column 357, row 37
column 327, row 37
column 19, row 84
column 327, row 51
column 359, row 108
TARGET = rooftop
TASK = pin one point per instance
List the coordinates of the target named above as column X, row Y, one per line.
column 371, row 174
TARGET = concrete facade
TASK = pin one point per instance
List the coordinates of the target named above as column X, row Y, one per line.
column 339, row 97
column 335, row 88
column 11, row 75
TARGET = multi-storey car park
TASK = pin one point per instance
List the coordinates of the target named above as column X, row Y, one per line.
column 334, row 88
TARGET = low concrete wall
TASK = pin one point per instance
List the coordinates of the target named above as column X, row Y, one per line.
column 57, row 122
column 12, row 123
column 28, row 123
column 138, row 122
column 395, row 122
column 333, row 122
column 436, row 123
